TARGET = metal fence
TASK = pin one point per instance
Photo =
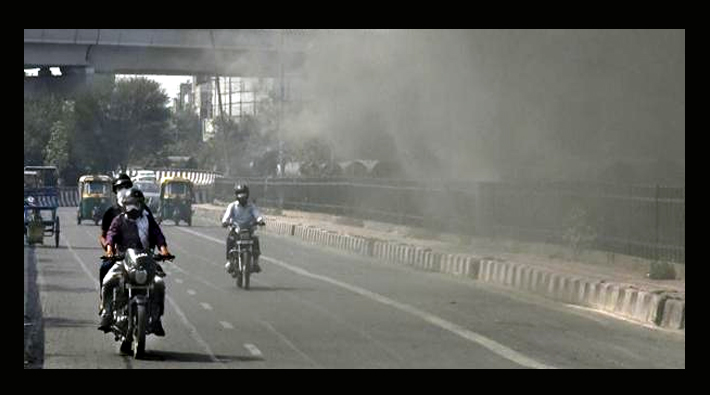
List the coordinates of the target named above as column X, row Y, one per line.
column 643, row 221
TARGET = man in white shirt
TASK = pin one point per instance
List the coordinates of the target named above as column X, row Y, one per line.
column 246, row 215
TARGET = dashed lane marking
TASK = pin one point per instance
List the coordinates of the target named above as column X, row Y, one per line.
column 456, row 329
column 253, row 350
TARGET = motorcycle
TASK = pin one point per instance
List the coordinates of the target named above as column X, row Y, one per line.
column 132, row 300
column 241, row 255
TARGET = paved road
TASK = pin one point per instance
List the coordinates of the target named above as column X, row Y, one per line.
column 316, row 308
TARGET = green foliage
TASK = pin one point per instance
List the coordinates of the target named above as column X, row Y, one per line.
column 139, row 117
column 57, row 150
column 662, row 271
column 104, row 125
column 39, row 116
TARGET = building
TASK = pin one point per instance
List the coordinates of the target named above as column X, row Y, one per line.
column 238, row 96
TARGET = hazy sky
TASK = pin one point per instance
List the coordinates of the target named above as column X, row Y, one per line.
column 170, row 83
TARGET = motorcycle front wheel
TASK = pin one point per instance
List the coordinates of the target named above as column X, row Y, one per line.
column 139, row 333
column 126, row 347
column 247, row 270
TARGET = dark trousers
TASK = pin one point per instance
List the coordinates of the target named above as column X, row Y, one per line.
column 231, row 241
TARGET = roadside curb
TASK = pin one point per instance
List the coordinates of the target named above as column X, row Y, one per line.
column 655, row 308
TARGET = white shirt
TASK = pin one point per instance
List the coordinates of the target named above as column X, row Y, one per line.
column 244, row 216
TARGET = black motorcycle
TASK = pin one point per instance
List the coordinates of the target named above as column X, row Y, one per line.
column 241, row 255
column 132, row 300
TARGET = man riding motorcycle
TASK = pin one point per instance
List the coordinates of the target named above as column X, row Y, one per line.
column 244, row 214
column 134, row 228
column 122, row 184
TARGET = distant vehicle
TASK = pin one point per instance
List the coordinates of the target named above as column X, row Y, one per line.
column 176, row 198
column 95, row 197
column 151, row 191
column 145, row 175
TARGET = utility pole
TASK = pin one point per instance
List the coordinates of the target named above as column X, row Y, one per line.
column 281, row 100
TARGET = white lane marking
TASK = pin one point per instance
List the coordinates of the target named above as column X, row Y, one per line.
column 206, row 306
column 178, row 280
column 82, row 264
column 226, row 325
column 490, row 344
column 191, row 292
column 199, row 278
column 253, row 350
column 289, row 343
column 193, row 331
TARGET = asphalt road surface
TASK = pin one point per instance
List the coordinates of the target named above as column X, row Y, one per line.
column 318, row 308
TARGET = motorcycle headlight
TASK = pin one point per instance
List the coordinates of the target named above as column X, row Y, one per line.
column 141, row 276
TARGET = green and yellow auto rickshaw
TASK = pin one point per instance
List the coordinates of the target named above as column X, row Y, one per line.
column 95, row 197
column 176, row 197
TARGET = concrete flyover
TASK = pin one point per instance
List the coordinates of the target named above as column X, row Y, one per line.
column 234, row 52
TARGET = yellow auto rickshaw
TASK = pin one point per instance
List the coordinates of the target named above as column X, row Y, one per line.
column 176, row 198
column 95, row 197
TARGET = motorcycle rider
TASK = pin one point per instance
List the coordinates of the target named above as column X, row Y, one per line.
column 134, row 228
column 244, row 214
column 121, row 186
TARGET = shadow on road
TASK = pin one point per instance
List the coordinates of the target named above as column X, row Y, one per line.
column 261, row 288
column 60, row 288
column 93, row 247
column 174, row 356
column 57, row 322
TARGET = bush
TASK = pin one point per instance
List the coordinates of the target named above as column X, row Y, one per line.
column 662, row 271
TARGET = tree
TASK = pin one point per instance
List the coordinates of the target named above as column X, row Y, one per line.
column 39, row 115
column 185, row 134
column 138, row 117
column 58, row 149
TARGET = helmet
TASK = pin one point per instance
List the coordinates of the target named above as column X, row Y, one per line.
column 122, row 182
column 134, row 200
column 242, row 192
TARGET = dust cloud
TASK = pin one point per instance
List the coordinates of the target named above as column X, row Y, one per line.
column 605, row 105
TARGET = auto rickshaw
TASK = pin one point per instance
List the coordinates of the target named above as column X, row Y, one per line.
column 95, row 197
column 176, row 197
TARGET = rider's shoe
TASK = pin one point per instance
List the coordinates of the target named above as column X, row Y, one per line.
column 228, row 267
column 105, row 324
column 157, row 328
column 257, row 268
